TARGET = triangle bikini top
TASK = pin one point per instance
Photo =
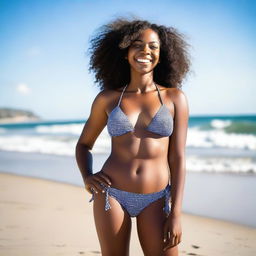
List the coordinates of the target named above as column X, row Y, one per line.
column 118, row 122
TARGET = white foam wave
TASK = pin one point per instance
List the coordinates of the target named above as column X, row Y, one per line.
column 46, row 145
column 56, row 145
column 49, row 142
column 74, row 129
column 103, row 143
column 221, row 165
column 220, row 124
column 218, row 138
column 38, row 144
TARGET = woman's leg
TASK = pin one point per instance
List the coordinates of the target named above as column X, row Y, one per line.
column 150, row 226
column 113, row 227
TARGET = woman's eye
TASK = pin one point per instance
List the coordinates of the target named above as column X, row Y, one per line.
column 136, row 45
column 154, row 47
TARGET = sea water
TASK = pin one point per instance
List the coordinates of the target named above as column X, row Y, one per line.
column 221, row 144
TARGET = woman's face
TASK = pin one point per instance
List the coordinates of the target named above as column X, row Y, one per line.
column 144, row 52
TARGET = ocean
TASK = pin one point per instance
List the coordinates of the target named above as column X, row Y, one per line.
column 216, row 144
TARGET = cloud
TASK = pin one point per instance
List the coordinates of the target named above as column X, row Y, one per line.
column 23, row 88
column 34, row 51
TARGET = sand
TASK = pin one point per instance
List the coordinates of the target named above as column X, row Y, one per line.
column 41, row 217
column 18, row 119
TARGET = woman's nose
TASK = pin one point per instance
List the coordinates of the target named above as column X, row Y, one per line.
column 145, row 48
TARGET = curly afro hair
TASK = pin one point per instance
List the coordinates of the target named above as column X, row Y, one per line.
column 110, row 44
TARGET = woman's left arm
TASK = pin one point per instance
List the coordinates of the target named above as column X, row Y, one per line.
column 177, row 165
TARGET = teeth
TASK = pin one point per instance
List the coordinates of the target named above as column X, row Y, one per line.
column 143, row 60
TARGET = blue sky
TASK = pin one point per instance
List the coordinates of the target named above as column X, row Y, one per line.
column 44, row 65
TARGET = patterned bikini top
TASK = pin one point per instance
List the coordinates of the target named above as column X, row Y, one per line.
column 118, row 123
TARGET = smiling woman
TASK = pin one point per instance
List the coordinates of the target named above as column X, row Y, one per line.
column 143, row 54
column 139, row 67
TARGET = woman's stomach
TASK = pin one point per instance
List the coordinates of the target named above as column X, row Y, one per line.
column 137, row 175
column 138, row 165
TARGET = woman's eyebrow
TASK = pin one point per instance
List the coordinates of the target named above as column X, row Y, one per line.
column 149, row 42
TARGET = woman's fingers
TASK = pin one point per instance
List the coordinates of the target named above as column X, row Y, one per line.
column 105, row 178
column 165, row 233
column 101, row 180
column 91, row 188
column 177, row 239
column 172, row 241
column 98, row 181
column 92, row 185
column 166, row 237
column 168, row 242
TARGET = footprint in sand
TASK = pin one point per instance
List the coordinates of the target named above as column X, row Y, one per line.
column 59, row 245
column 90, row 253
column 59, row 209
column 11, row 226
column 195, row 246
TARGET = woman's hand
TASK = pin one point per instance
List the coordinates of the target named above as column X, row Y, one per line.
column 94, row 182
column 172, row 231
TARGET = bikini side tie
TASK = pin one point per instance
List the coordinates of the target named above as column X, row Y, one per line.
column 107, row 204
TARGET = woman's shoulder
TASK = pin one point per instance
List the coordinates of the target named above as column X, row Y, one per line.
column 174, row 93
column 107, row 95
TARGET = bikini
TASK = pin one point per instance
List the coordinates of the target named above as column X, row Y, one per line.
column 119, row 124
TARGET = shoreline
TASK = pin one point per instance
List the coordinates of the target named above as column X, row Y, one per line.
column 81, row 187
column 231, row 193
column 42, row 217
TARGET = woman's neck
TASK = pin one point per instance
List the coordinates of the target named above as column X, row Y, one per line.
column 141, row 83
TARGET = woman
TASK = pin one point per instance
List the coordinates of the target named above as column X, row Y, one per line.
column 139, row 67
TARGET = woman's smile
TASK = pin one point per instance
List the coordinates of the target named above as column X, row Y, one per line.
column 143, row 60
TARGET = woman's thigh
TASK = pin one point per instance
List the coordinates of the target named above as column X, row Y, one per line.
column 113, row 227
column 150, row 226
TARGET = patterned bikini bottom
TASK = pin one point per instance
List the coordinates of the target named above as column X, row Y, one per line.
column 134, row 203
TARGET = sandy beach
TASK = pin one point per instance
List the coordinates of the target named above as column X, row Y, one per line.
column 41, row 217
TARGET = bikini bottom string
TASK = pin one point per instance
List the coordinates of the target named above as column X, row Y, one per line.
column 107, row 203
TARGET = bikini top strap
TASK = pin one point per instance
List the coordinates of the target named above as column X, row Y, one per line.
column 159, row 93
column 121, row 96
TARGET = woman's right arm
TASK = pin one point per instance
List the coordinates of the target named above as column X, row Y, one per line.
column 91, row 130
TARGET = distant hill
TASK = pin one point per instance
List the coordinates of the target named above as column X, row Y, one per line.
column 10, row 115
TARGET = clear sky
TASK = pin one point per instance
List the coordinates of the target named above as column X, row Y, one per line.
column 44, row 65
